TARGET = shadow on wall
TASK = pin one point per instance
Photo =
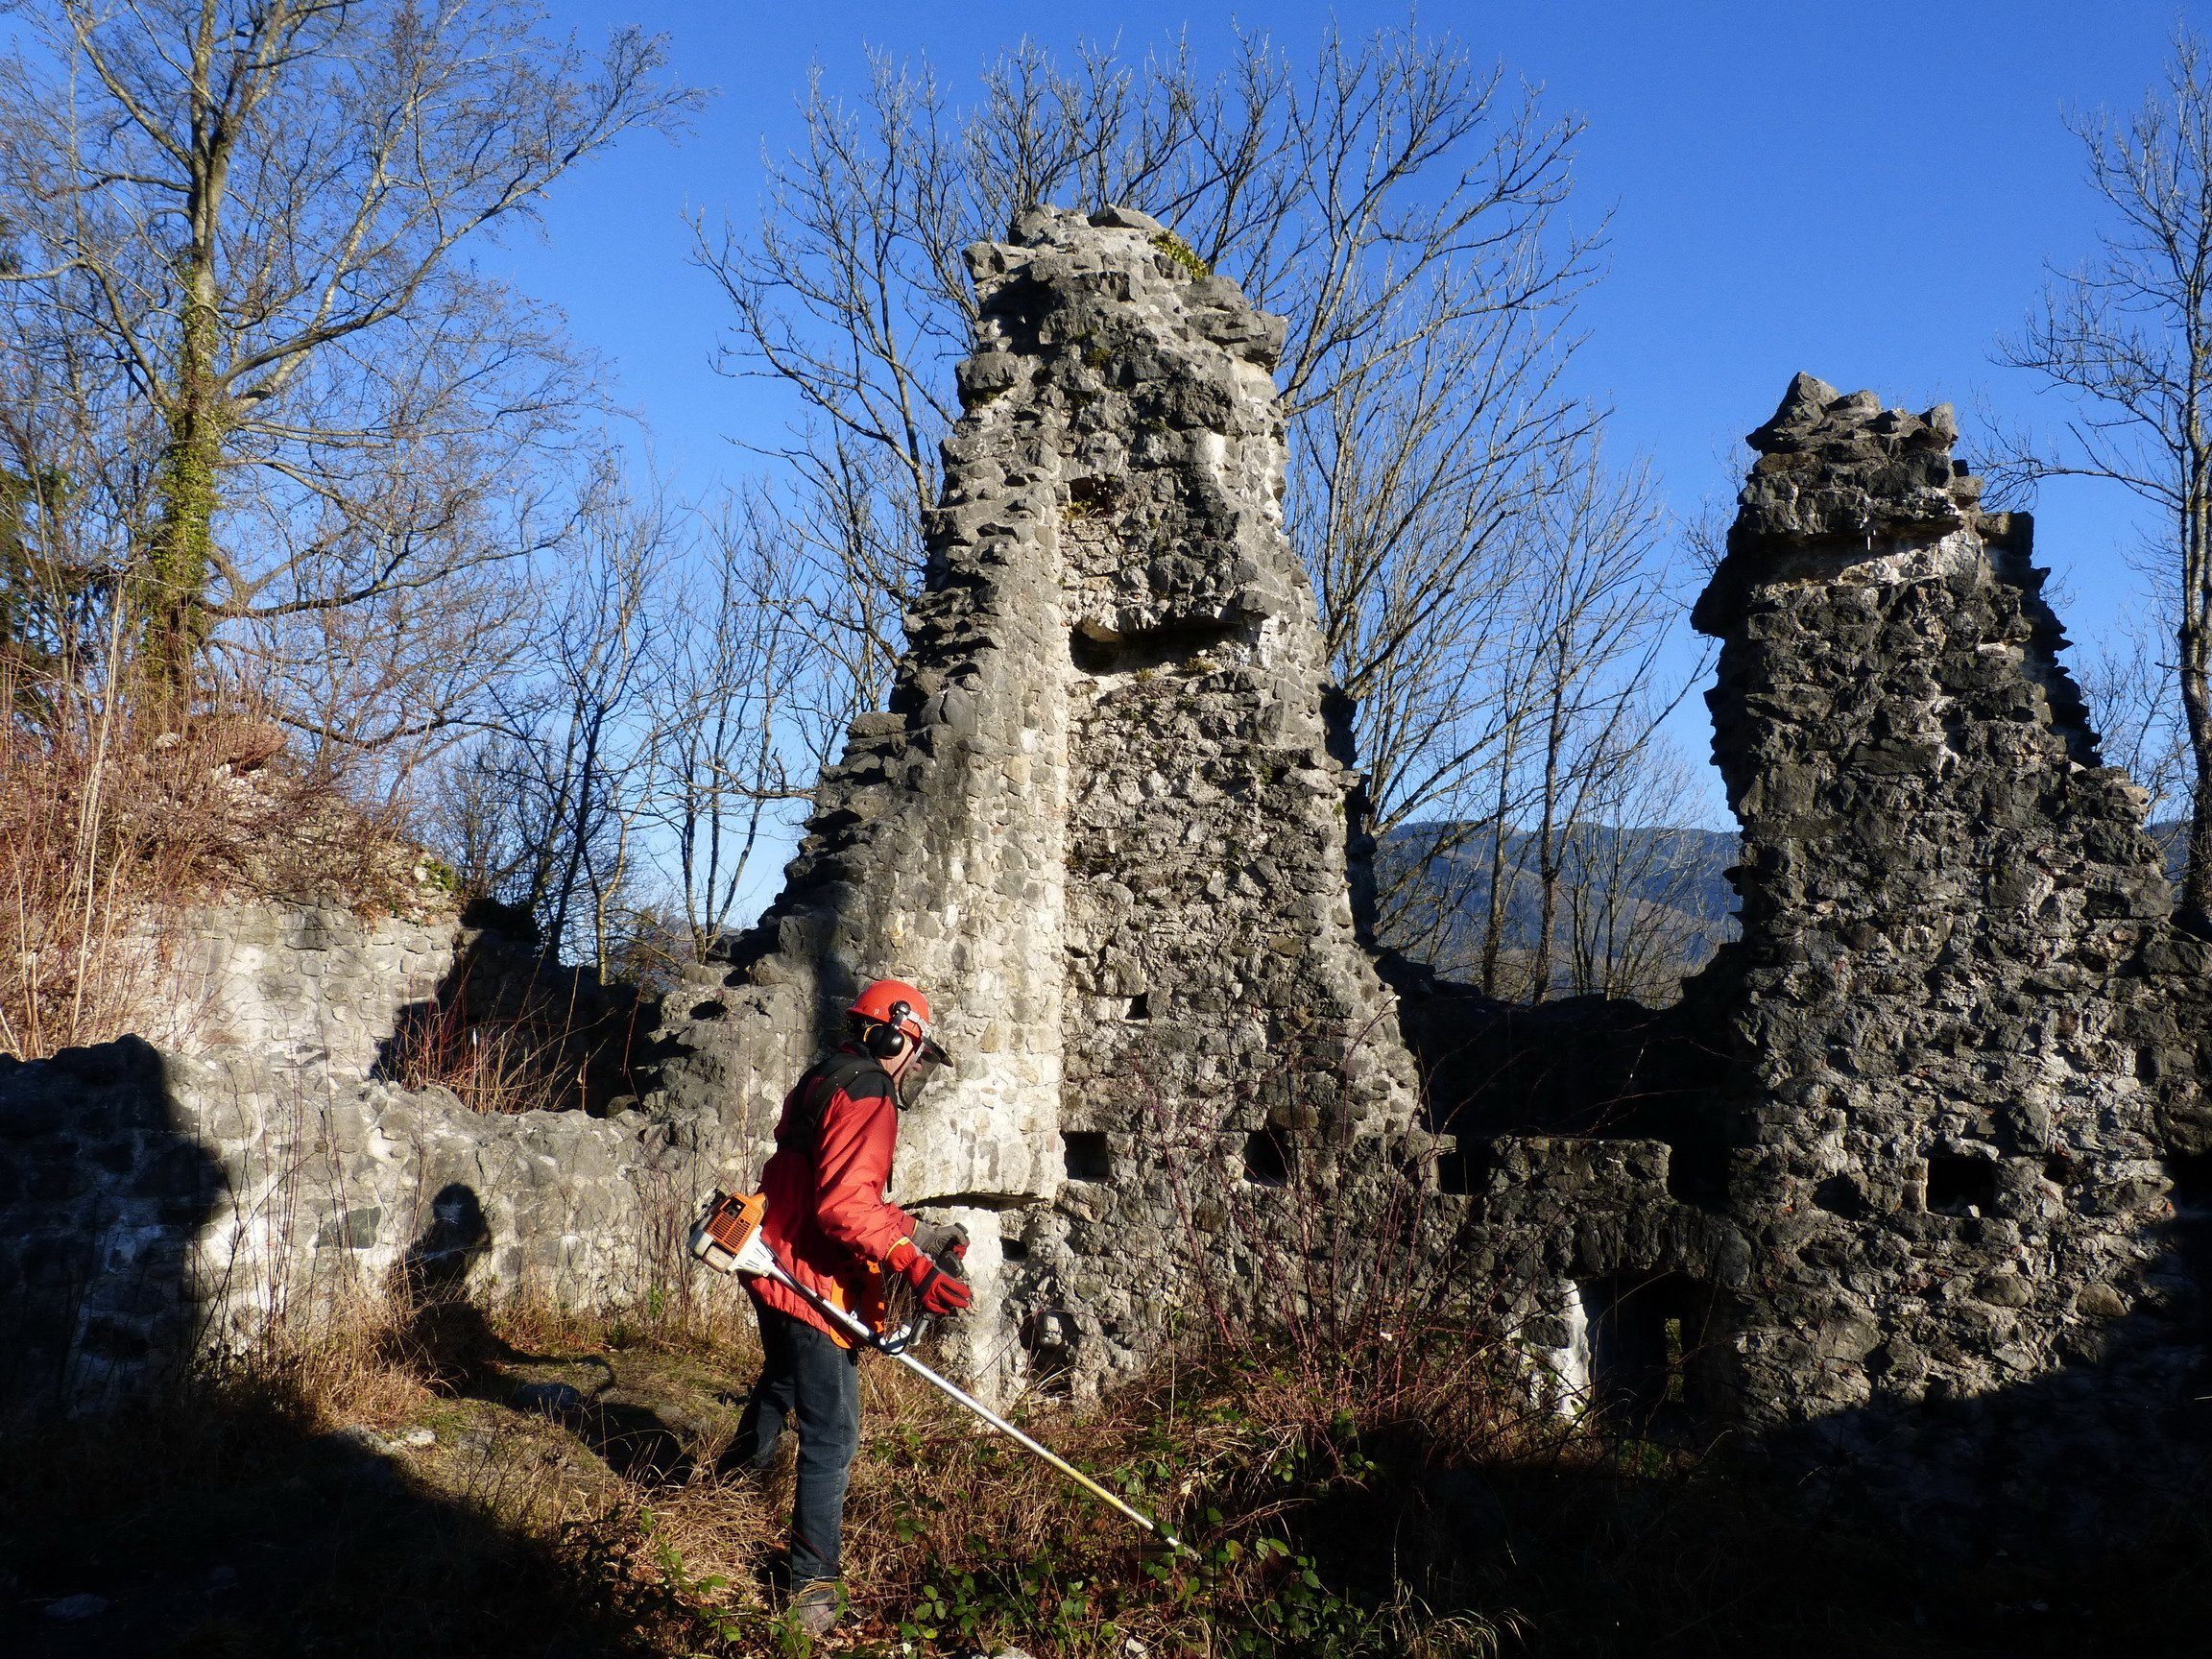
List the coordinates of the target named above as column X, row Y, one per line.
column 106, row 1196
column 1549, row 1104
column 442, row 1332
column 2068, row 1471
column 213, row 1510
column 1581, row 1066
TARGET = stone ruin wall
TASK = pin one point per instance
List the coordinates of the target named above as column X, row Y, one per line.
column 1955, row 930
column 1966, row 1042
column 155, row 1201
column 1102, row 824
column 1901, row 1165
column 1901, row 1168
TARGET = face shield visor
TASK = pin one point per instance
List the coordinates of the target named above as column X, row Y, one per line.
column 927, row 1061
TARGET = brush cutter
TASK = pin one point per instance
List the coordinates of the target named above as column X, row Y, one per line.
column 729, row 1239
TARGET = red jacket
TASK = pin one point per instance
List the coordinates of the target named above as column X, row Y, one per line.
column 827, row 1215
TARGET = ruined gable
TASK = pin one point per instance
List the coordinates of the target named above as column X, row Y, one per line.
column 1953, row 921
column 1102, row 824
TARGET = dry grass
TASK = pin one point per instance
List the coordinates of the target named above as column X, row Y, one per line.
column 521, row 1062
column 513, row 1030
column 380, row 1486
column 108, row 818
column 414, row 1479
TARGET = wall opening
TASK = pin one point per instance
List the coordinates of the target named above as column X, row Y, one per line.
column 1048, row 1337
column 1089, row 1157
column 1466, row 1167
column 1267, row 1158
column 2191, row 1177
column 1654, row 1348
column 1958, row 1183
column 1842, row 1196
column 1097, row 651
column 1697, row 1170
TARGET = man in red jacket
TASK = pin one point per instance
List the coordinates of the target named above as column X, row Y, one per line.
column 830, row 1223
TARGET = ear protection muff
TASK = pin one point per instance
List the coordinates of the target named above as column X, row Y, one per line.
column 884, row 1040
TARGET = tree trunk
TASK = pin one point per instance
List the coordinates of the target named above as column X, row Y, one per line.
column 175, row 577
column 1494, row 917
column 174, row 580
column 2195, row 912
column 1548, row 860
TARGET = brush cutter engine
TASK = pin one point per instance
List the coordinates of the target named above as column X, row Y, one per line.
column 728, row 1239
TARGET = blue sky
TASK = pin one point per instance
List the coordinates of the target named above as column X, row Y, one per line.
column 1867, row 193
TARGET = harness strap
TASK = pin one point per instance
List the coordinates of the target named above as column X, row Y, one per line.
column 841, row 1071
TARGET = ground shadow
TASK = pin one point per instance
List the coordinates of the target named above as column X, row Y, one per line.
column 150, row 1503
column 2063, row 1515
column 444, row 1338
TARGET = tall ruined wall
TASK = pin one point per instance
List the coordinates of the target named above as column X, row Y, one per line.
column 1101, row 824
column 1221, row 1022
column 1911, row 1176
column 1906, row 1175
column 1952, row 919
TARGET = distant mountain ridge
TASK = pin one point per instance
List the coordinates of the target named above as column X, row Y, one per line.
column 1672, row 880
column 1669, row 880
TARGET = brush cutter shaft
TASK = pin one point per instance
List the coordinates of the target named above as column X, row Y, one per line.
column 859, row 1328
column 1050, row 1456
column 728, row 1237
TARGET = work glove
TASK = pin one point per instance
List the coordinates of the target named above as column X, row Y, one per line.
column 941, row 1293
column 945, row 1242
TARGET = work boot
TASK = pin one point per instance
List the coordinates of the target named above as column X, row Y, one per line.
column 815, row 1606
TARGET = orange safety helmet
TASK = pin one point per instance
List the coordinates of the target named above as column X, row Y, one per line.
column 902, row 1008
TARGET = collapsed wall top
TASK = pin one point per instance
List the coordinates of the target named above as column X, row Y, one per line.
column 1834, row 465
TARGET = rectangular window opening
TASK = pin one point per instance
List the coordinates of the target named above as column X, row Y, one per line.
column 1656, row 1346
column 1958, row 1183
column 1466, row 1167
column 1267, row 1158
column 1089, row 1157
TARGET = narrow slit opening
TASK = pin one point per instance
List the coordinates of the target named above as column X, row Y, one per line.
column 1267, row 1158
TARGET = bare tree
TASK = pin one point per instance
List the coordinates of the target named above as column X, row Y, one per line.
column 545, row 812
column 2127, row 341
column 235, row 223
column 1398, row 201
column 2127, row 678
column 1421, row 477
column 1641, row 910
column 722, row 689
column 1601, row 622
column 1571, row 699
